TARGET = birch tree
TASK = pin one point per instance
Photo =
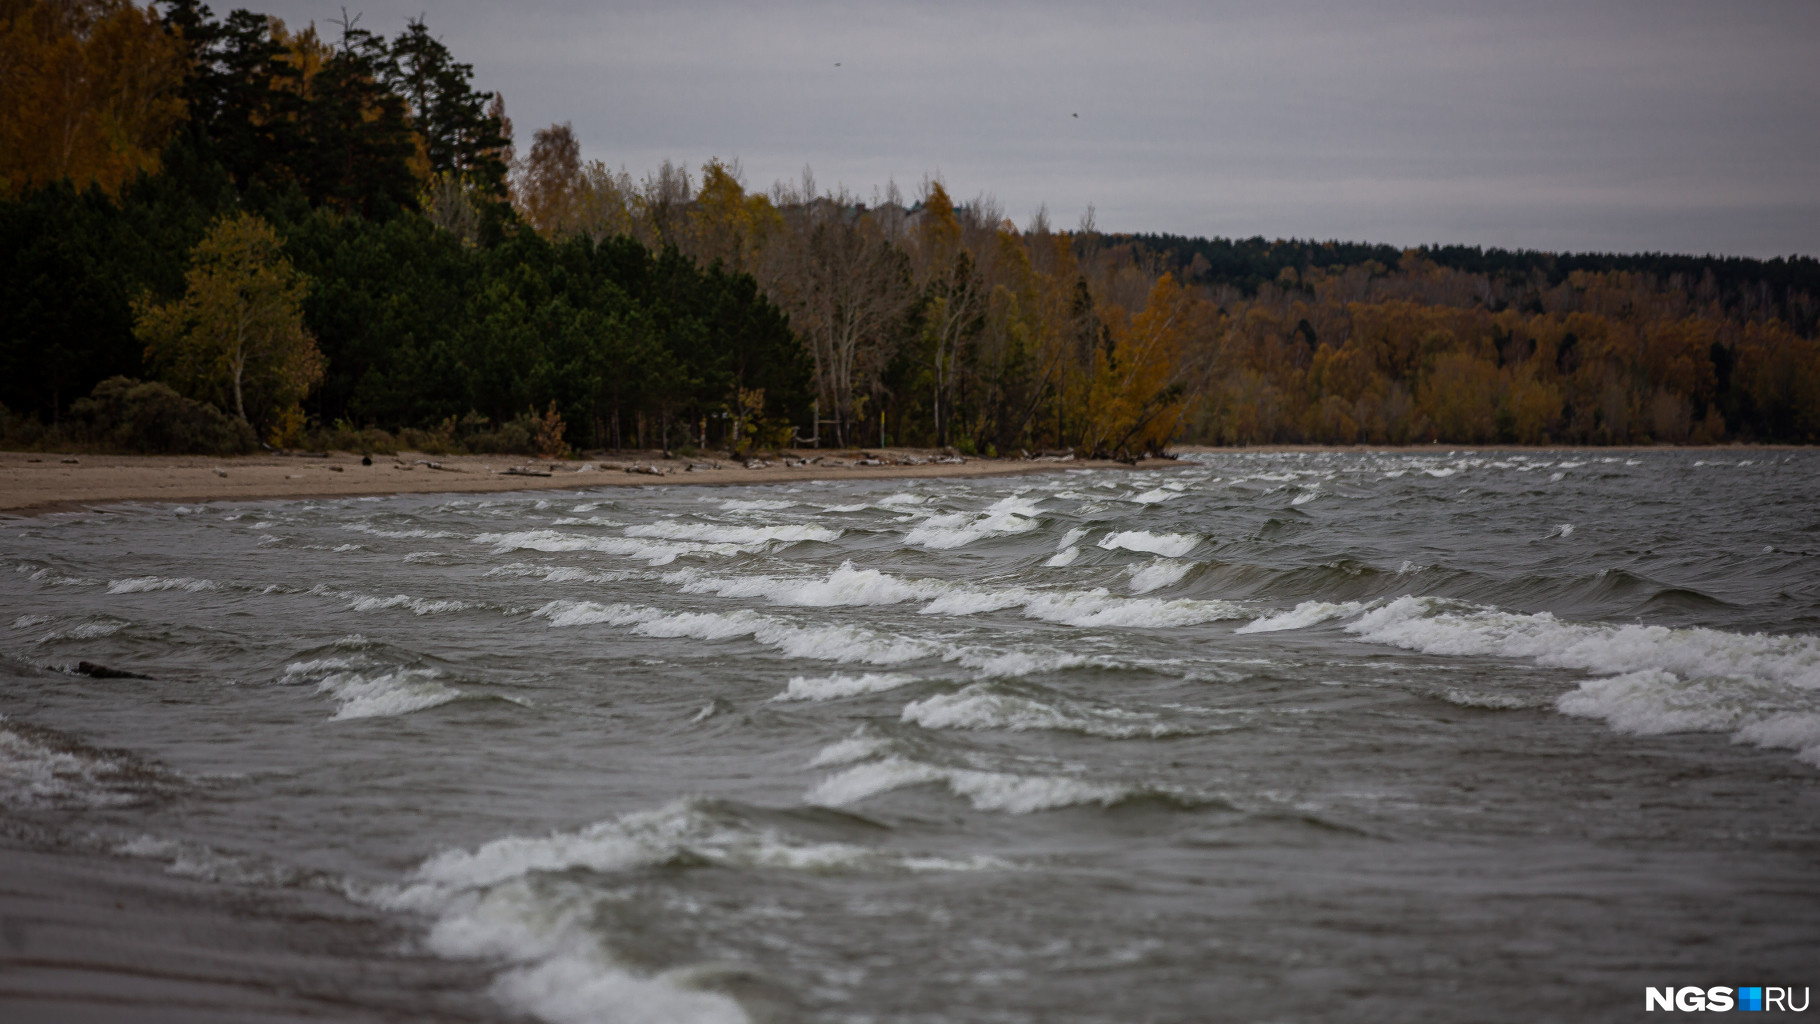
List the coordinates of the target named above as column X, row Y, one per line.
column 236, row 337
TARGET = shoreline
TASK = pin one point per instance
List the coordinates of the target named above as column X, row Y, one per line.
column 38, row 483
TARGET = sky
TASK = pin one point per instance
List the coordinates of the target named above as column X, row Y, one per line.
column 1587, row 126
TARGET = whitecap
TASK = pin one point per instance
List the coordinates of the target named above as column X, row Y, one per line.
column 417, row 605
column 736, row 536
column 1158, row 573
column 509, row 900
column 1655, row 679
column 1009, row 516
column 844, row 587
column 837, row 686
column 37, row 771
column 384, row 694
column 982, row 706
column 148, row 584
column 825, row 643
column 1303, row 615
column 1169, row 545
column 986, row 791
column 1155, row 496
column 853, row 748
column 1066, row 556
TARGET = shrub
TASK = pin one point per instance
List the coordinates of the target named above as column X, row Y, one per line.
column 145, row 416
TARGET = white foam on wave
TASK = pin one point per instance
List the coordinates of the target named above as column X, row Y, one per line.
column 1011, row 664
column 1762, row 689
column 755, row 505
column 1008, row 516
column 1157, row 573
column 824, row 643
column 362, row 691
column 37, row 772
column 1153, row 497
column 986, row 791
column 982, row 706
column 509, row 900
column 1303, row 615
column 88, row 629
column 837, row 686
column 374, row 531
column 653, row 552
column 745, row 537
column 1169, row 545
column 416, row 605
column 1066, row 556
column 858, row 747
column 847, row 586
column 567, row 573
column 148, row 584
column 844, row 587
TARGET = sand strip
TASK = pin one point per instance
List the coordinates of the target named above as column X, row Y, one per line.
column 32, row 482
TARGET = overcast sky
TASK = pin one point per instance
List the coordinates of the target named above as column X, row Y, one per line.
column 1654, row 125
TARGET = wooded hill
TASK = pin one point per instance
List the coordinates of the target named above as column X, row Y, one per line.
column 422, row 274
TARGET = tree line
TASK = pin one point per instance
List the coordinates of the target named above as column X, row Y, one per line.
column 171, row 171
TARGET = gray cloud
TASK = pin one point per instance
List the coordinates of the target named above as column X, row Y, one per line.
column 1615, row 126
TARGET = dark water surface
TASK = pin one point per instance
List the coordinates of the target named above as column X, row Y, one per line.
column 1462, row 736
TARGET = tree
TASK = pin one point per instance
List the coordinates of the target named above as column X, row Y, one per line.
column 91, row 93
column 462, row 132
column 549, row 192
column 237, row 336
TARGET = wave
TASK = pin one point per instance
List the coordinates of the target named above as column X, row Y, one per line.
column 417, row 605
column 653, row 552
column 837, row 686
column 374, row 531
column 1157, row 574
column 1008, row 516
column 1303, row 615
column 986, row 791
column 148, row 584
column 737, row 536
column 41, row 768
column 844, row 587
column 1763, row 689
column 847, row 586
column 361, row 690
column 1169, row 545
column 825, row 643
column 567, row 573
column 511, row 899
column 92, row 628
column 983, row 706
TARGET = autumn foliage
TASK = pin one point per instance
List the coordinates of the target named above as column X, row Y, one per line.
column 330, row 231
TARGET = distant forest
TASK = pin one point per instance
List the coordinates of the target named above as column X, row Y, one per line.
column 304, row 237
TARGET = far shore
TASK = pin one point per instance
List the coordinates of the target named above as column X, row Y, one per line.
column 36, row 482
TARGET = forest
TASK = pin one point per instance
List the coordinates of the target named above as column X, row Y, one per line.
column 303, row 238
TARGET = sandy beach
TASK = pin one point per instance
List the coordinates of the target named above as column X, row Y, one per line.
column 32, row 482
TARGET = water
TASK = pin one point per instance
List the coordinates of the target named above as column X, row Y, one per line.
column 1460, row 736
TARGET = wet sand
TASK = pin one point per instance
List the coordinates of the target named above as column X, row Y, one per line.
column 89, row 937
column 33, row 482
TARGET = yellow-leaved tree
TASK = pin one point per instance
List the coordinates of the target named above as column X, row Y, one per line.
column 236, row 337
column 89, row 91
column 1146, row 377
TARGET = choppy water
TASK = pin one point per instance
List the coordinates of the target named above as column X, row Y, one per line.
column 1463, row 736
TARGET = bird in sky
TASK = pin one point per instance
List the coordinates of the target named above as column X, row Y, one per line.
column 837, row 63
column 1077, row 115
